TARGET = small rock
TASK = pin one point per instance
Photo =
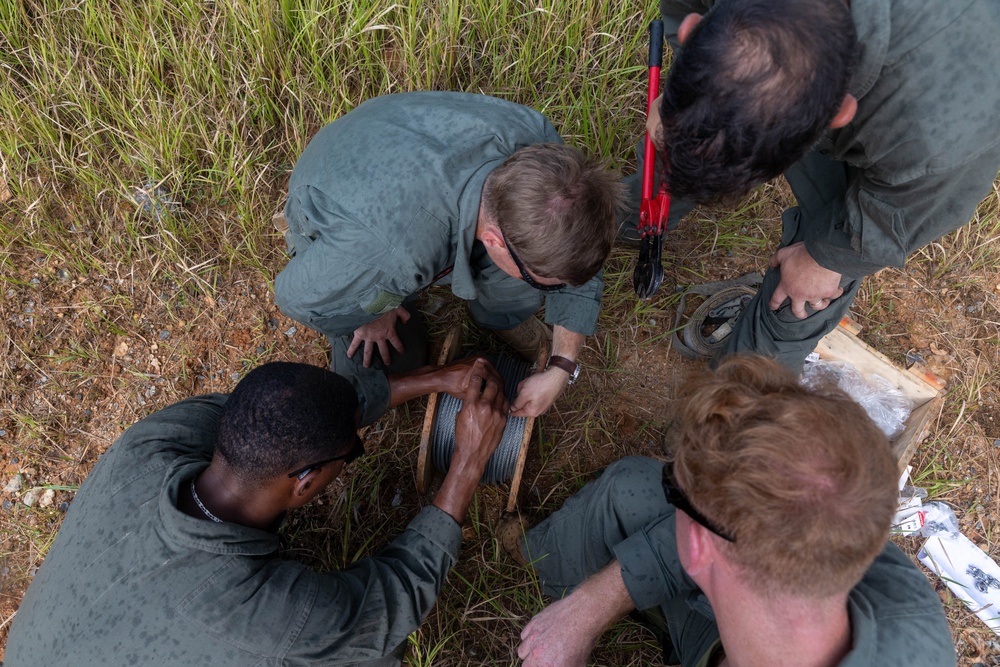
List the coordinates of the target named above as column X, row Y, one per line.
column 121, row 349
column 29, row 498
column 164, row 334
column 48, row 497
column 64, row 506
column 63, row 274
column 8, row 505
column 397, row 499
column 2, row 432
column 14, row 485
column 290, row 332
column 35, row 281
column 235, row 376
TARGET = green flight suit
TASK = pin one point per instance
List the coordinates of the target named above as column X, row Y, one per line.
column 132, row 580
column 918, row 157
column 384, row 202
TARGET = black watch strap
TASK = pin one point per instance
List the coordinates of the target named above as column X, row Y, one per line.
column 565, row 364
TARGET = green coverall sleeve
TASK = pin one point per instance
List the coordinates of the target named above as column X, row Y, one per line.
column 886, row 222
column 333, row 291
column 576, row 308
column 650, row 566
column 366, row 611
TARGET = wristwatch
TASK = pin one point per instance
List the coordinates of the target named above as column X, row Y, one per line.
column 565, row 364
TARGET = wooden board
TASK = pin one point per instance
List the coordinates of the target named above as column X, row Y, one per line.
column 522, row 454
column 425, row 469
column 921, row 386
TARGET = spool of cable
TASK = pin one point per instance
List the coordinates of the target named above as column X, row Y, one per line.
column 503, row 463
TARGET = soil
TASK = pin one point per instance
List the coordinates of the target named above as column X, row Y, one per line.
column 88, row 352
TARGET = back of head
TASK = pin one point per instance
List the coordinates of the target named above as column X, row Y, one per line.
column 803, row 479
column 557, row 207
column 751, row 90
column 284, row 415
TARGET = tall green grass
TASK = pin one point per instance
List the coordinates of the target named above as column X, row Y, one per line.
column 213, row 101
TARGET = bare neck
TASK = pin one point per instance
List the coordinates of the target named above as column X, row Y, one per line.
column 224, row 497
column 780, row 630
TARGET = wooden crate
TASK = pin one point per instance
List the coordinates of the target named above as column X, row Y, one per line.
column 921, row 386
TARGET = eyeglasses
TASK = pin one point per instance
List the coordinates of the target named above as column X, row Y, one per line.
column 677, row 498
column 357, row 450
column 524, row 273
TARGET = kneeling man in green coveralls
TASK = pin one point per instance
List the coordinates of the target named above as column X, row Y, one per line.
column 417, row 189
column 168, row 556
column 763, row 542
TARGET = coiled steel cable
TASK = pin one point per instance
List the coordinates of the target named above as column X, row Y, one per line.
column 501, row 465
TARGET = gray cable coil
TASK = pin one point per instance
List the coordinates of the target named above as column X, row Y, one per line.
column 500, row 467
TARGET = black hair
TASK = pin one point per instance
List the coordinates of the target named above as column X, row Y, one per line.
column 283, row 416
column 752, row 89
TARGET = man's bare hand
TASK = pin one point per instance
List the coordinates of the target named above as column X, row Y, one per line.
column 538, row 392
column 481, row 421
column 803, row 281
column 561, row 635
column 454, row 378
column 478, row 429
column 380, row 333
column 564, row 633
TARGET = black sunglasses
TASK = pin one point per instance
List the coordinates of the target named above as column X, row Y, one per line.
column 524, row 273
column 357, row 450
column 677, row 498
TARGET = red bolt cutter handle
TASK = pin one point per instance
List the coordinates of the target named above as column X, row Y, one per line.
column 653, row 210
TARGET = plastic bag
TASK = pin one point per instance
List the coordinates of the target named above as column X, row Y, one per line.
column 887, row 406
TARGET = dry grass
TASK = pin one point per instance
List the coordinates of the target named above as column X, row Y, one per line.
column 108, row 313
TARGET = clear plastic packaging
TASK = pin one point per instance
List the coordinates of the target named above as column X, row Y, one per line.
column 888, row 407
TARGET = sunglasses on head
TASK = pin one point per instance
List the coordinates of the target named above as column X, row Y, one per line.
column 357, row 450
column 524, row 273
column 677, row 498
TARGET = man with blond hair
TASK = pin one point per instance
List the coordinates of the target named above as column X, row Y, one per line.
column 418, row 189
column 764, row 541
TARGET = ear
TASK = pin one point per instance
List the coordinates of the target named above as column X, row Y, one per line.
column 687, row 25
column 492, row 237
column 845, row 114
column 305, row 489
column 700, row 550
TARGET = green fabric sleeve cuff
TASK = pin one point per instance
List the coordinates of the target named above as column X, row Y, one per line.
column 439, row 528
column 648, row 559
column 576, row 308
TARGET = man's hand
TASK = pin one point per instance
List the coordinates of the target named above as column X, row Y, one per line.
column 381, row 333
column 538, row 392
column 560, row 635
column 564, row 633
column 478, row 429
column 803, row 281
column 454, row 379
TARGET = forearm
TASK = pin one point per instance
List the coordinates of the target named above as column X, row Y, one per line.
column 607, row 595
column 566, row 343
column 457, row 490
column 406, row 386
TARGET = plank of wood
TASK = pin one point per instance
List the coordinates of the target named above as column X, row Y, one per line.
column 425, row 468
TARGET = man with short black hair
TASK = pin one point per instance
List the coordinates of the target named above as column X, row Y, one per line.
column 763, row 542
column 424, row 188
column 883, row 116
column 169, row 553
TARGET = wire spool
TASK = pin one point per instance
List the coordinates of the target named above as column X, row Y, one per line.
column 502, row 464
column 712, row 322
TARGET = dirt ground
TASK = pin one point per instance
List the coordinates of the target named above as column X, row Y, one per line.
column 86, row 352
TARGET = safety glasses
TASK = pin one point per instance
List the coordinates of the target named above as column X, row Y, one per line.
column 357, row 450
column 677, row 498
column 524, row 273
